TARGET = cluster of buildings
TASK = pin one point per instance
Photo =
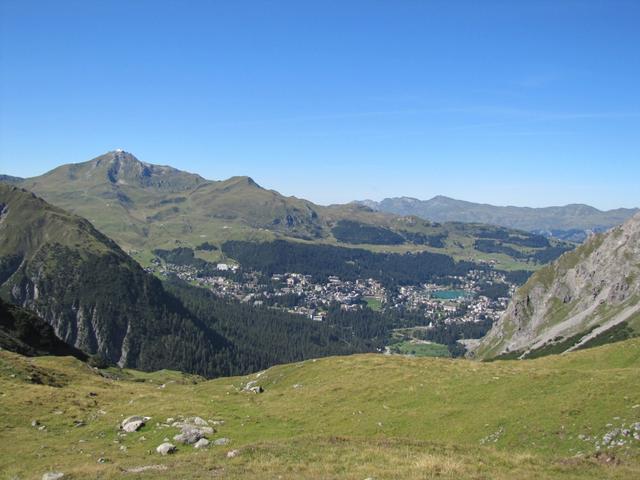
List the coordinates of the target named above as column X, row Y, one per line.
column 300, row 294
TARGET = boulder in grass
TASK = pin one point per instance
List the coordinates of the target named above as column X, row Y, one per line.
column 202, row 443
column 197, row 421
column 189, row 435
column 133, row 423
column 166, row 448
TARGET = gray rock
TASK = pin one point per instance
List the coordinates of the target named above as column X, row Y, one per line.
column 52, row 476
column 166, row 448
column 202, row 443
column 133, row 423
column 233, row 453
column 221, row 441
column 206, row 430
column 197, row 421
column 189, row 435
column 253, row 387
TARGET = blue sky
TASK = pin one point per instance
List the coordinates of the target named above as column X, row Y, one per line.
column 524, row 103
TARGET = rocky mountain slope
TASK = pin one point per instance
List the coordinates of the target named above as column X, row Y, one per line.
column 23, row 332
column 144, row 207
column 570, row 222
column 588, row 296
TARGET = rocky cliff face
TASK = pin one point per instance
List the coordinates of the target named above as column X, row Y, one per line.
column 576, row 300
column 23, row 332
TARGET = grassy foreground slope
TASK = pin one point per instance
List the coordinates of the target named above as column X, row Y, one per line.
column 341, row 417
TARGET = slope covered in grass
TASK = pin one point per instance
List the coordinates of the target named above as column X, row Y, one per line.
column 341, row 417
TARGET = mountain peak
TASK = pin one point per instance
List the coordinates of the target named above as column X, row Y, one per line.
column 122, row 168
column 241, row 180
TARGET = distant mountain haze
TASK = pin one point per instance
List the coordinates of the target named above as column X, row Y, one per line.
column 570, row 222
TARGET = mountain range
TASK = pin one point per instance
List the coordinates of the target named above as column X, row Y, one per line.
column 69, row 272
column 144, row 207
column 570, row 222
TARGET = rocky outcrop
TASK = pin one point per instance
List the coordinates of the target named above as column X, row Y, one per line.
column 567, row 304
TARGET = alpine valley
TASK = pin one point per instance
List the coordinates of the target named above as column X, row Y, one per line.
column 236, row 258
column 127, row 289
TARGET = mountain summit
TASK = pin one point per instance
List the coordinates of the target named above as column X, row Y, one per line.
column 117, row 168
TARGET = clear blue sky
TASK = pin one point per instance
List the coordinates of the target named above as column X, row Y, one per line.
column 506, row 102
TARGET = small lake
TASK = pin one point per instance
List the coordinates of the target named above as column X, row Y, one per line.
column 451, row 294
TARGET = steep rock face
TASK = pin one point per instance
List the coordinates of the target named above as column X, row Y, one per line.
column 23, row 332
column 94, row 296
column 580, row 296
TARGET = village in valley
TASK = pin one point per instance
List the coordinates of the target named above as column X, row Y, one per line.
column 467, row 300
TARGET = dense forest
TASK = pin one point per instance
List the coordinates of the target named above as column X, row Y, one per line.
column 262, row 336
column 322, row 261
column 541, row 255
column 349, row 231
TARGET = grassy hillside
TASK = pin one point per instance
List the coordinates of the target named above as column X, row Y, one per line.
column 363, row 416
column 144, row 207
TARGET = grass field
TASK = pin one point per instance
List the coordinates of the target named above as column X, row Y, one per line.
column 356, row 417
column 421, row 349
column 373, row 303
